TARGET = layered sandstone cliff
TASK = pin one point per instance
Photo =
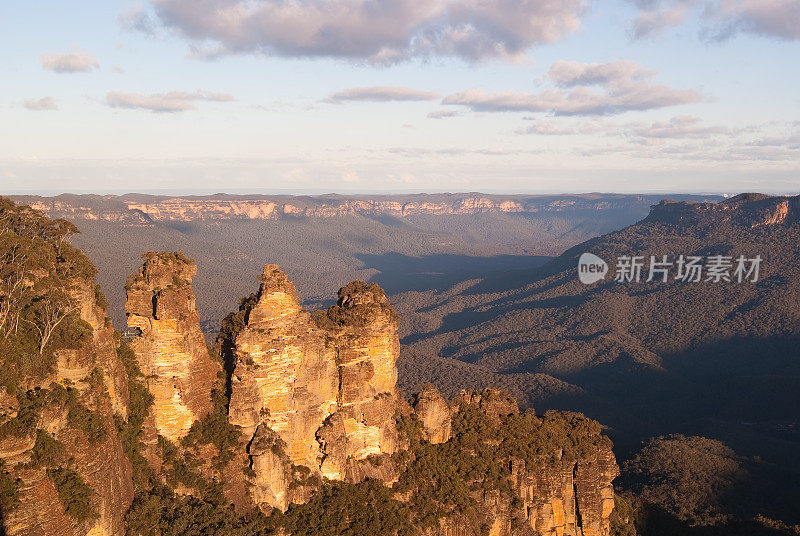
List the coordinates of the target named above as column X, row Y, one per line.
column 568, row 492
column 145, row 210
column 434, row 413
column 572, row 498
column 74, row 414
column 747, row 210
column 318, row 393
column 364, row 330
column 168, row 342
column 284, row 385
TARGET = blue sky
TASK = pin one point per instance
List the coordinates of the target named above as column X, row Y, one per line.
column 411, row 95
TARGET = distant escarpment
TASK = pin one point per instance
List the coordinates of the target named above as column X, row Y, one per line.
column 715, row 354
column 138, row 209
column 750, row 210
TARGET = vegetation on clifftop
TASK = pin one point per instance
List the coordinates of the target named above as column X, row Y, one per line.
column 38, row 270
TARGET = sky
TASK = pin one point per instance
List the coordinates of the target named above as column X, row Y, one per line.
column 317, row 96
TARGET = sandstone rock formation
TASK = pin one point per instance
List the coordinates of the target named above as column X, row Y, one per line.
column 564, row 496
column 749, row 210
column 573, row 498
column 170, row 346
column 325, row 388
column 364, row 330
column 493, row 402
column 434, row 413
column 284, row 382
column 88, row 385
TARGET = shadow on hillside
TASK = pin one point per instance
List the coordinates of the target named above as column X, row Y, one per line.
column 519, row 299
column 401, row 273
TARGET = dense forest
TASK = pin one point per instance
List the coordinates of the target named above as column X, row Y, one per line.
column 718, row 360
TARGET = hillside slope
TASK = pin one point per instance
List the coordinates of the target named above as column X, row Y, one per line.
column 715, row 359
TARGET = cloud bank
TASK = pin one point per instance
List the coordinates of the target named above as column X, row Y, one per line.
column 174, row 101
column 380, row 31
column 45, row 103
column 74, row 62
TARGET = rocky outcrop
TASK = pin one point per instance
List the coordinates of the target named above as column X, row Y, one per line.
column 284, row 382
column 168, row 342
column 572, row 498
column 746, row 210
column 434, row 413
column 364, row 330
column 495, row 403
column 325, row 388
column 555, row 494
column 77, row 403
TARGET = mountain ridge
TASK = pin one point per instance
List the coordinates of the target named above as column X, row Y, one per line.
column 143, row 208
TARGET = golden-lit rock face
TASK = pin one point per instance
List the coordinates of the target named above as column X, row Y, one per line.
column 367, row 346
column 570, row 498
column 325, row 387
column 170, row 346
column 181, row 209
column 285, row 375
column 102, row 463
column 135, row 211
column 434, row 413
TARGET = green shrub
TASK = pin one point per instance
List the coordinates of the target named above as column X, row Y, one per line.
column 88, row 421
column 9, row 490
column 75, row 494
column 47, row 451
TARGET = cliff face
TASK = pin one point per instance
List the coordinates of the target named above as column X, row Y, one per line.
column 570, row 499
column 169, row 345
column 434, row 413
column 284, row 382
column 145, row 210
column 364, row 330
column 556, row 493
column 747, row 210
column 310, row 393
column 71, row 436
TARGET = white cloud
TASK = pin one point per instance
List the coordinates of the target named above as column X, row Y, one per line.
column 771, row 18
column 137, row 19
column 74, row 62
column 381, row 94
column 45, row 103
column 382, row 31
column 791, row 142
column 653, row 23
column 174, row 101
column 419, row 152
column 624, row 86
